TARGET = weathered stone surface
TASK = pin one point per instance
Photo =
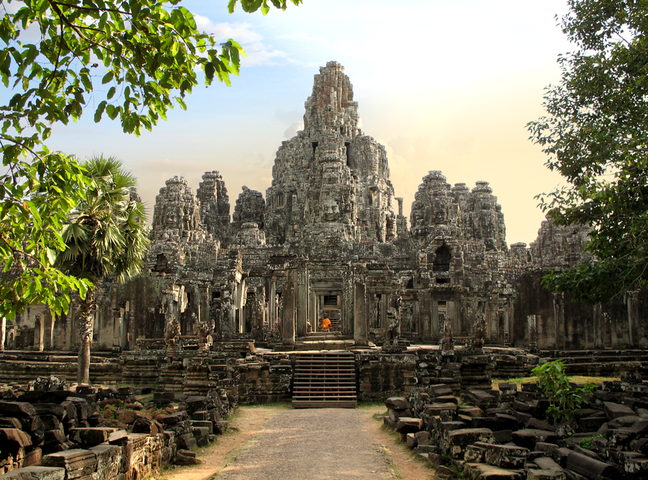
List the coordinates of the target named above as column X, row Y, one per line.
column 528, row 437
column 480, row 471
column 35, row 473
column 76, row 462
column 616, row 410
column 91, row 436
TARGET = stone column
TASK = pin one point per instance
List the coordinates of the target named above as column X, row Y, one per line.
column 559, row 319
column 258, row 313
column 272, row 304
column 302, row 301
column 435, row 331
column 384, row 304
column 360, row 315
column 312, row 310
column 598, row 325
column 39, row 331
column 426, row 318
column 288, row 321
column 3, row 333
column 633, row 315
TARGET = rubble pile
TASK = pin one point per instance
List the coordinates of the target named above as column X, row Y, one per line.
column 104, row 433
column 507, row 434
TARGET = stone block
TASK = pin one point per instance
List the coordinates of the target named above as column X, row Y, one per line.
column 506, row 456
column 50, row 409
column 14, row 438
column 474, row 453
column 480, row 398
column 201, row 434
column 17, row 409
column 109, row 459
column 589, row 467
column 76, row 462
column 175, row 418
column 35, row 473
column 397, row 403
column 528, row 437
column 616, row 410
column 480, row 471
column 10, row 422
column 454, row 443
column 409, row 425
column 91, row 435
column 54, row 436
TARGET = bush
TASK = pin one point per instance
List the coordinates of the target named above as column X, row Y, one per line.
column 564, row 398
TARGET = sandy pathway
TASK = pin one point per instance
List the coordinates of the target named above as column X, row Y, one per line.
column 280, row 443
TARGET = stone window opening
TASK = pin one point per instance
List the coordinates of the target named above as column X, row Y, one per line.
column 216, row 295
column 315, row 144
column 346, row 152
column 330, row 300
column 442, row 259
column 442, row 280
column 161, row 263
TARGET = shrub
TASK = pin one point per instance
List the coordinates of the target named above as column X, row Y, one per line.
column 563, row 397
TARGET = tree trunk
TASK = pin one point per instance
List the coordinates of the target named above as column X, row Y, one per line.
column 86, row 327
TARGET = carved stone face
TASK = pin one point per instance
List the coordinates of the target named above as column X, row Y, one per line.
column 330, row 210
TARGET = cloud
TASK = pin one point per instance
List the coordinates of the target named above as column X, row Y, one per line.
column 293, row 129
column 258, row 52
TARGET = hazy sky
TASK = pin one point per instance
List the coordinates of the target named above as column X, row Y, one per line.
column 444, row 84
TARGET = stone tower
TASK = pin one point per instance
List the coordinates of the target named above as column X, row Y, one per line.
column 331, row 182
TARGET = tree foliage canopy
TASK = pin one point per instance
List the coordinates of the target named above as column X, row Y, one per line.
column 596, row 136
column 129, row 60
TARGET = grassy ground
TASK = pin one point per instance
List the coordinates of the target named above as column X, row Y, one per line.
column 579, row 380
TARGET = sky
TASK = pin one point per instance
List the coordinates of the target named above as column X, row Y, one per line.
column 443, row 84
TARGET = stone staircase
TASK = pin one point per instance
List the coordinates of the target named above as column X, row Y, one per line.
column 324, row 341
column 325, row 380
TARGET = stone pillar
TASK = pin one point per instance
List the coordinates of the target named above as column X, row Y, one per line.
column 258, row 313
column 272, row 304
column 347, row 303
column 360, row 327
column 435, row 331
column 633, row 316
column 301, row 300
column 39, row 331
column 598, row 325
column 559, row 318
column 312, row 311
column 426, row 318
column 3, row 333
column 288, row 321
column 384, row 304
column 533, row 332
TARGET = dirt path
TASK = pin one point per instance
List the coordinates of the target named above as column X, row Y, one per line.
column 281, row 443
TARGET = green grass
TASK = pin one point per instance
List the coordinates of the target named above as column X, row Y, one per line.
column 577, row 379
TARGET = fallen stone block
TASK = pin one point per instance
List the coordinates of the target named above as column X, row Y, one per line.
column 506, row 456
column 109, row 459
column 589, row 467
column 91, row 436
column 14, row 438
column 528, row 437
column 17, row 409
column 616, row 410
column 76, row 462
column 397, row 403
column 35, row 473
column 186, row 457
column 454, row 443
column 409, row 425
column 480, row 471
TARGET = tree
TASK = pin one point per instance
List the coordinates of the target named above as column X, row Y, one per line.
column 104, row 236
column 596, row 136
column 130, row 60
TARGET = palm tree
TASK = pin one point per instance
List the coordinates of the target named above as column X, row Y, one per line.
column 105, row 237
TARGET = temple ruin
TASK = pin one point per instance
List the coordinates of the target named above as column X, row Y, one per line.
column 330, row 240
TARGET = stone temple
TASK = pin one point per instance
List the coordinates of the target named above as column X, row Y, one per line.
column 329, row 239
